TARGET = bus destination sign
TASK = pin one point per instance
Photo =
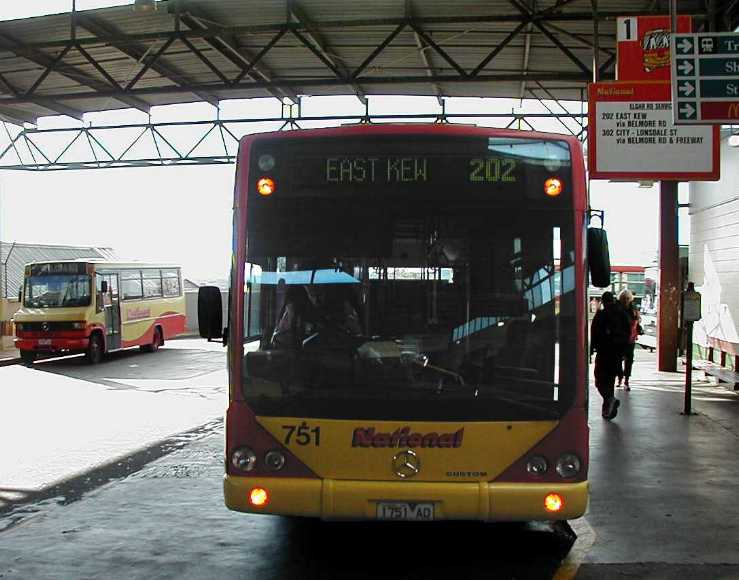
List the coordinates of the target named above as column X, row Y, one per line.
column 389, row 170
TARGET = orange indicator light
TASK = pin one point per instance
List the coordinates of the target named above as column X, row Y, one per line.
column 258, row 497
column 266, row 186
column 552, row 187
column 553, row 502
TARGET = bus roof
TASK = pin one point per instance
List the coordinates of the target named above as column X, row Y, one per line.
column 109, row 263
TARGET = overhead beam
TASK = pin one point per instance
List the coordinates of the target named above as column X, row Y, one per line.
column 23, row 117
column 562, row 77
column 16, row 116
column 553, row 14
column 138, row 52
column 225, row 43
column 231, row 132
column 7, row 42
column 329, row 53
column 525, row 59
column 422, row 48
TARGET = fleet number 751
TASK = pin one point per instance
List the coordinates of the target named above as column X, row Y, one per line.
column 302, row 434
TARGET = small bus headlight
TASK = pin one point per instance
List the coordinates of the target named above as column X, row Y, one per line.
column 568, row 465
column 244, row 459
column 19, row 326
column 537, row 465
column 78, row 325
column 274, row 460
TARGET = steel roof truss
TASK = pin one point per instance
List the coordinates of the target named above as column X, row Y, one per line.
column 150, row 63
column 329, row 54
column 42, row 59
column 320, row 54
column 247, row 69
column 427, row 63
column 532, row 92
column 227, row 46
column 566, row 51
column 98, row 67
column 204, row 59
column 498, row 49
column 430, row 41
column 425, row 58
column 47, row 70
column 55, row 161
column 527, row 12
column 378, row 50
column 138, row 53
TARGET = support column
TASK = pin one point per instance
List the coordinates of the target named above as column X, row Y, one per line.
column 669, row 278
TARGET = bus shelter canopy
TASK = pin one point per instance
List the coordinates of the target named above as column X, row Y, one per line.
column 176, row 51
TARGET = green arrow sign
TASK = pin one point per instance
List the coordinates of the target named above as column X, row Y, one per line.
column 685, row 45
column 685, row 67
column 687, row 111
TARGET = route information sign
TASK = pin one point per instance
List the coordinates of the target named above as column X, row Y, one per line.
column 631, row 136
column 705, row 78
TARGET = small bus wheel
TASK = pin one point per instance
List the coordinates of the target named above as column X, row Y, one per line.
column 156, row 341
column 95, row 349
column 28, row 356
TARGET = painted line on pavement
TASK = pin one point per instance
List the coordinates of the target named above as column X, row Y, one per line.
column 585, row 540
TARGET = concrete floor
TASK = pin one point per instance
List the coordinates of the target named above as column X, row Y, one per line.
column 661, row 504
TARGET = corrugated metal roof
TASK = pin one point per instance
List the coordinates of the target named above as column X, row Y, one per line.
column 120, row 40
column 15, row 256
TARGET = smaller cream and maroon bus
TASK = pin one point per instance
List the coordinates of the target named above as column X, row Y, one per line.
column 94, row 307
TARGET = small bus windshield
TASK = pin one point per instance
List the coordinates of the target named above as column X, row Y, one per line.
column 57, row 291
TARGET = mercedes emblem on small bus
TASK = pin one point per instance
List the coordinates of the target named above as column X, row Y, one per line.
column 406, row 464
column 45, row 326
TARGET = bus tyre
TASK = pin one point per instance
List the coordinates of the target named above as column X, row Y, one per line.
column 156, row 341
column 95, row 349
column 28, row 356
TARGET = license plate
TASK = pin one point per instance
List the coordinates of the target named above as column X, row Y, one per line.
column 405, row 511
column 44, row 341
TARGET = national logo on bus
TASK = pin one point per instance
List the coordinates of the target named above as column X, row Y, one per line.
column 404, row 437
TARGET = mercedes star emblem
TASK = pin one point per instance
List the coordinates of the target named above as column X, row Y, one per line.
column 406, row 464
column 45, row 326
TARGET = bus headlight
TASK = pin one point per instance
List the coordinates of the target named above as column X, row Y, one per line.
column 19, row 326
column 78, row 325
column 274, row 460
column 568, row 465
column 537, row 465
column 244, row 459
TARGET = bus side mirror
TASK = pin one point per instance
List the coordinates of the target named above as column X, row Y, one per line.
column 210, row 312
column 599, row 261
column 20, row 294
column 104, row 286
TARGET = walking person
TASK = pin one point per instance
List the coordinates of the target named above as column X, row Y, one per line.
column 609, row 334
column 626, row 301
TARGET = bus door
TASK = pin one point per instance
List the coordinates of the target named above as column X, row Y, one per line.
column 112, row 308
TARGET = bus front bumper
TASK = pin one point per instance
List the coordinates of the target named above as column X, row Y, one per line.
column 52, row 344
column 340, row 499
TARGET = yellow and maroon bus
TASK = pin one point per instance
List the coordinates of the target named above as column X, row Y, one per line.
column 407, row 325
column 94, row 307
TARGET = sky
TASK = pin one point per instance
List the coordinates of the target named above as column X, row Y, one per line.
column 183, row 214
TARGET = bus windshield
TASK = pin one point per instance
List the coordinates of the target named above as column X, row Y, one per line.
column 450, row 306
column 57, row 291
